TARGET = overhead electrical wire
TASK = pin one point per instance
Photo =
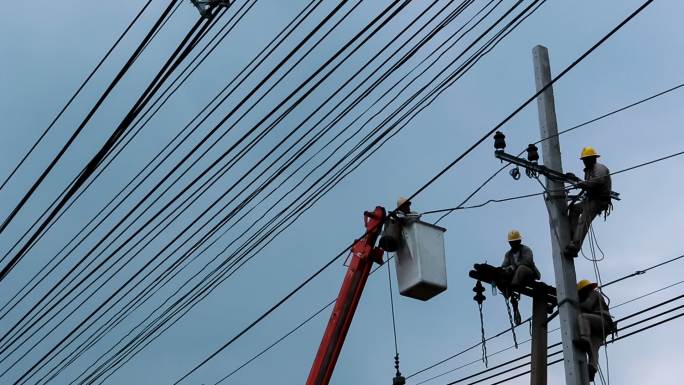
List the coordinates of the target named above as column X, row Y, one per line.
column 174, row 60
column 141, row 122
column 620, row 337
column 75, row 95
column 271, row 47
column 588, row 122
column 484, row 137
column 187, row 156
column 108, row 90
column 167, row 66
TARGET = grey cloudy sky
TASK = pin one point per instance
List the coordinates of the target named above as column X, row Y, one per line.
column 47, row 48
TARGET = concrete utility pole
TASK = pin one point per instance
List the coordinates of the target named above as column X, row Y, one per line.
column 564, row 268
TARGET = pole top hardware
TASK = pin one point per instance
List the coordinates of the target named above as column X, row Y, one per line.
column 205, row 6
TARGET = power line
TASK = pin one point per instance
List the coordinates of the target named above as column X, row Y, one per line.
column 567, row 69
column 560, row 351
column 502, row 200
column 298, row 19
column 111, row 86
column 628, row 276
column 608, row 114
column 78, row 91
column 532, row 98
column 385, row 21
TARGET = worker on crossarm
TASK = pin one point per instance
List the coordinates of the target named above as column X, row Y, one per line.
column 597, row 188
column 518, row 270
column 595, row 322
column 518, row 262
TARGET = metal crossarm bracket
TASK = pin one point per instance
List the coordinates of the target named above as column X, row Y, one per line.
column 204, row 6
column 543, row 170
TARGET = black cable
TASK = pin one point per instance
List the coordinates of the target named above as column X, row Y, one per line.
column 53, row 316
column 136, row 127
column 560, row 351
column 532, row 98
column 95, row 161
column 173, row 61
column 78, row 91
column 343, row 48
column 299, row 17
column 278, row 36
column 111, row 86
column 196, row 147
column 315, row 125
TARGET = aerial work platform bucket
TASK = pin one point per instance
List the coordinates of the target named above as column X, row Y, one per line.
column 421, row 261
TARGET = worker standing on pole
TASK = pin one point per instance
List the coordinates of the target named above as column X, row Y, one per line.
column 597, row 188
column 595, row 322
column 518, row 269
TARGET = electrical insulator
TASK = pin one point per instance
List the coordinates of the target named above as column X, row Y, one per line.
column 499, row 141
column 479, row 293
column 532, row 153
column 515, row 173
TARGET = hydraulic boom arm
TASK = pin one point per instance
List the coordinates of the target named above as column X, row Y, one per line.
column 364, row 253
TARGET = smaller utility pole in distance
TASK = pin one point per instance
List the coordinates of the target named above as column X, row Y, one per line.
column 564, row 268
column 543, row 300
column 540, row 309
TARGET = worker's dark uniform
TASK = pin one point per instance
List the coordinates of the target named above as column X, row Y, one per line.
column 597, row 200
column 519, row 266
column 595, row 324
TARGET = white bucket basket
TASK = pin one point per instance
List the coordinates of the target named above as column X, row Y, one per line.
column 421, row 261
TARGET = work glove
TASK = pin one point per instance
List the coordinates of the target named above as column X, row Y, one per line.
column 583, row 185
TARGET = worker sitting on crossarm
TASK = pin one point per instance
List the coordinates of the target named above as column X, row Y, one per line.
column 597, row 186
column 518, row 269
column 595, row 322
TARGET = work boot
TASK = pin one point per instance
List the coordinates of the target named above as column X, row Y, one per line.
column 583, row 344
column 592, row 371
column 571, row 250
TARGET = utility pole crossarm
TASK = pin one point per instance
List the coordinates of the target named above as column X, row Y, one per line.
column 489, row 274
column 549, row 173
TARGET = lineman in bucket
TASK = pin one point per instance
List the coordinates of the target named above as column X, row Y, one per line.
column 518, row 269
column 597, row 188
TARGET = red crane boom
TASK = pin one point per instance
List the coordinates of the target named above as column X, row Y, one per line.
column 364, row 253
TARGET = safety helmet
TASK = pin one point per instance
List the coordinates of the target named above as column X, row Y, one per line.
column 514, row 235
column 584, row 283
column 589, row 152
column 401, row 201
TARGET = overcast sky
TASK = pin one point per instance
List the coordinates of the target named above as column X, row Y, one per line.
column 48, row 48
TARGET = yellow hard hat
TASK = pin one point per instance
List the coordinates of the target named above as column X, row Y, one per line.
column 514, row 235
column 584, row 283
column 401, row 201
column 589, row 151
